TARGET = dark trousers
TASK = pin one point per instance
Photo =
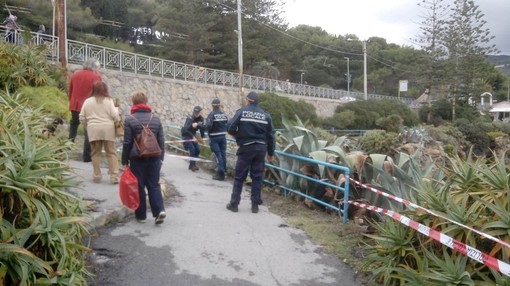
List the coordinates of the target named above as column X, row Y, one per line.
column 73, row 131
column 10, row 36
column 147, row 171
column 219, row 148
column 254, row 163
column 193, row 149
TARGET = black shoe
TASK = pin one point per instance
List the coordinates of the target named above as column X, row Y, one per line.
column 219, row 177
column 232, row 208
column 254, row 208
column 86, row 160
column 194, row 168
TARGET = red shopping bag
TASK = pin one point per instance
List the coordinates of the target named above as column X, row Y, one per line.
column 128, row 189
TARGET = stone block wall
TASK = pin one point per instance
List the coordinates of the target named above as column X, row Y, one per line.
column 173, row 100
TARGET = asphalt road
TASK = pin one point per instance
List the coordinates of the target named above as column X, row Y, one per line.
column 202, row 243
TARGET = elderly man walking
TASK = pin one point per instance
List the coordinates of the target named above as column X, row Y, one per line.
column 80, row 88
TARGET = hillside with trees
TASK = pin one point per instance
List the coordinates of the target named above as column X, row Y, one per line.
column 204, row 33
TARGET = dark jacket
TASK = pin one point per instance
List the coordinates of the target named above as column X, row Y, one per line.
column 132, row 128
column 188, row 132
column 216, row 123
column 252, row 125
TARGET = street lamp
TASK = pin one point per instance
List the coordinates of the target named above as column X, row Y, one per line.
column 348, row 76
column 302, row 77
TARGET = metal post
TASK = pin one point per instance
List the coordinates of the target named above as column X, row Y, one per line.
column 240, row 51
column 62, row 36
column 302, row 77
column 348, row 77
column 365, row 69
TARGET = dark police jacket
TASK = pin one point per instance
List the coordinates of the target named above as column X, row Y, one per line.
column 188, row 132
column 252, row 127
column 216, row 123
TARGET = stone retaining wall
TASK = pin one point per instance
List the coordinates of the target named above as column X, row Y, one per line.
column 173, row 100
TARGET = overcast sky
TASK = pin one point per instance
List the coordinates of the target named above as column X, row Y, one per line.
column 395, row 20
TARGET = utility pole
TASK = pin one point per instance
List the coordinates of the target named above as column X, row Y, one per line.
column 364, row 43
column 62, row 33
column 348, row 77
column 240, row 51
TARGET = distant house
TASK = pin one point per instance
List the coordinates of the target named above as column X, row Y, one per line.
column 501, row 111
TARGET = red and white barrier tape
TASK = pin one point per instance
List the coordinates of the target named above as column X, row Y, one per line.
column 456, row 245
column 189, row 158
column 406, row 202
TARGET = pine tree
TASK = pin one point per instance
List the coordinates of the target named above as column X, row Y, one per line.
column 467, row 43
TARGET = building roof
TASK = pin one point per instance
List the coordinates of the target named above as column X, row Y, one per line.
column 503, row 106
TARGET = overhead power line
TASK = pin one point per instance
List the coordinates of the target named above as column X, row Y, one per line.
column 344, row 52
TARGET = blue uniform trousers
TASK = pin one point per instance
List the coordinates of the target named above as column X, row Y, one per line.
column 253, row 162
column 193, row 148
column 219, row 147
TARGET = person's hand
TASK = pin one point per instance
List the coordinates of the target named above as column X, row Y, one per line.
column 200, row 140
column 194, row 125
column 269, row 158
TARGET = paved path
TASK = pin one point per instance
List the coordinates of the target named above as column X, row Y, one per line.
column 206, row 243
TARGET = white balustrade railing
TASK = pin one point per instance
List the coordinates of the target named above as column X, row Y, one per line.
column 78, row 52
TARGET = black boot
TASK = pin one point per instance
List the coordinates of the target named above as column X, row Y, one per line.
column 193, row 166
column 220, row 176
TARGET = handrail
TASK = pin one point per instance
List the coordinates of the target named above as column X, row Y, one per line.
column 18, row 37
column 344, row 189
column 113, row 59
column 343, row 169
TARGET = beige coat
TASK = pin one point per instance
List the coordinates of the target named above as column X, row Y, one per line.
column 99, row 118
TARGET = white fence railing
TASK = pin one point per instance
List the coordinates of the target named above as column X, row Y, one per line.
column 78, row 52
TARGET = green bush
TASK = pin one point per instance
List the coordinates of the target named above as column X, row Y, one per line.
column 494, row 134
column 26, row 65
column 379, row 142
column 448, row 135
column 278, row 106
column 42, row 226
column 342, row 120
column 51, row 100
column 476, row 133
column 367, row 112
column 392, row 123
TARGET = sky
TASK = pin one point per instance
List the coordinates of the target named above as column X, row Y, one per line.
column 397, row 21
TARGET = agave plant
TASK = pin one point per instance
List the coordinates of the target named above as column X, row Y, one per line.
column 41, row 225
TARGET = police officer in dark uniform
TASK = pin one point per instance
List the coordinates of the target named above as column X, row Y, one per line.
column 193, row 123
column 252, row 128
column 216, row 126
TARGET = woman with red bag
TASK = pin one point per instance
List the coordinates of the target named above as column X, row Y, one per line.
column 146, row 169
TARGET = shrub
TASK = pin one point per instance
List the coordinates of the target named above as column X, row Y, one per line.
column 41, row 225
column 392, row 123
column 476, row 133
column 448, row 135
column 379, row 142
column 51, row 100
column 27, row 65
column 278, row 106
column 367, row 112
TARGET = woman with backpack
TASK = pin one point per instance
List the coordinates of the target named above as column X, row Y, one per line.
column 146, row 168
